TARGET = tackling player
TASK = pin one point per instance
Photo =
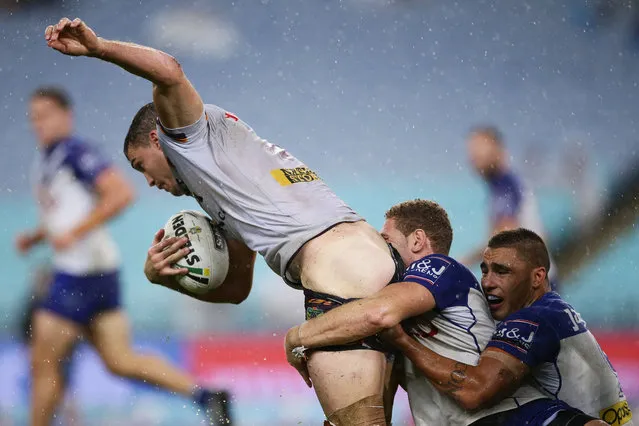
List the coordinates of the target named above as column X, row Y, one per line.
column 450, row 313
column 78, row 192
column 540, row 336
column 512, row 204
column 265, row 199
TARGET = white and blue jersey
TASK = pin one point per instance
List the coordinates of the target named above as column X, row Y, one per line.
column 566, row 361
column 510, row 198
column 458, row 328
column 86, row 275
column 64, row 177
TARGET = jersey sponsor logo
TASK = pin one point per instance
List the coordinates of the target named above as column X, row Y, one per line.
column 425, row 267
column 616, row 415
column 287, row 177
column 518, row 333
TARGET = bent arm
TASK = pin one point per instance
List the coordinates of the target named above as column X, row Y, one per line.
column 473, row 387
column 114, row 195
column 238, row 283
column 177, row 102
column 365, row 317
column 38, row 235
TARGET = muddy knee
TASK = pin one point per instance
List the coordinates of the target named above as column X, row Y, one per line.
column 368, row 411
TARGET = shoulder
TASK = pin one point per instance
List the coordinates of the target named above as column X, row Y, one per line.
column 438, row 268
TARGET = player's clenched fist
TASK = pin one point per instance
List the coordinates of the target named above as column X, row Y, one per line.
column 72, row 38
column 163, row 254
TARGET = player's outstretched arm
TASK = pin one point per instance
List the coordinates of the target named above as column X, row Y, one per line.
column 177, row 102
column 496, row 376
column 365, row 317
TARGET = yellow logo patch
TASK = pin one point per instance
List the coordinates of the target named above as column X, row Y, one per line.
column 287, row 177
column 617, row 414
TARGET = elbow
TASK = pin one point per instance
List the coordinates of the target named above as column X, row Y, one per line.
column 473, row 399
column 382, row 317
column 469, row 402
column 240, row 296
column 172, row 73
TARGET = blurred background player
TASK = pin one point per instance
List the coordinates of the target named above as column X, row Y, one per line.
column 512, row 204
column 78, row 192
column 41, row 280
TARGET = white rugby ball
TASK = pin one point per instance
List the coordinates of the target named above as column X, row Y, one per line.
column 208, row 261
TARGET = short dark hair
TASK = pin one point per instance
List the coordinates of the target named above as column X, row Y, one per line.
column 529, row 245
column 56, row 94
column 428, row 216
column 142, row 124
column 492, row 132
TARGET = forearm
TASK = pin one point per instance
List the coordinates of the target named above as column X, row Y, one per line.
column 151, row 64
column 456, row 379
column 38, row 235
column 226, row 293
column 349, row 323
column 106, row 208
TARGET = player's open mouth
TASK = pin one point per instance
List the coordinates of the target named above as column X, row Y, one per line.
column 494, row 301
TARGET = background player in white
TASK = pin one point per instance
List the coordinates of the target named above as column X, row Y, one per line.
column 540, row 337
column 266, row 200
column 78, row 192
column 512, row 203
column 450, row 310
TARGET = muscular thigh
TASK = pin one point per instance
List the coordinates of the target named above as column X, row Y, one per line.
column 53, row 336
column 351, row 261
column 343, row 378
column 110, row 334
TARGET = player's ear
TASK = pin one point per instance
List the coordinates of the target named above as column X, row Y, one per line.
column 420, row 241
column 539, row 276
column 154, row 139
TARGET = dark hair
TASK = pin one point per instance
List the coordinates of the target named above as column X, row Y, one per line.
column 142, row 124
column 530, row 246
column 56, row 94
column 428, row 216
column 491, row 132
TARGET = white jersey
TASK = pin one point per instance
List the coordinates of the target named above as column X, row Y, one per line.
column 565, row 359
column 256, row 191
column 63, row 178
column 459, row 328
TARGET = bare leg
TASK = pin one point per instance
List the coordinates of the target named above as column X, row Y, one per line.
column 53, row 340
column 349, row 261
column 110, row 334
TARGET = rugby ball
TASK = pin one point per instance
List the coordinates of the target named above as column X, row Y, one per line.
column 208, row 260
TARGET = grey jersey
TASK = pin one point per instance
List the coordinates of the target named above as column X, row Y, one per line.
column 259, row 193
